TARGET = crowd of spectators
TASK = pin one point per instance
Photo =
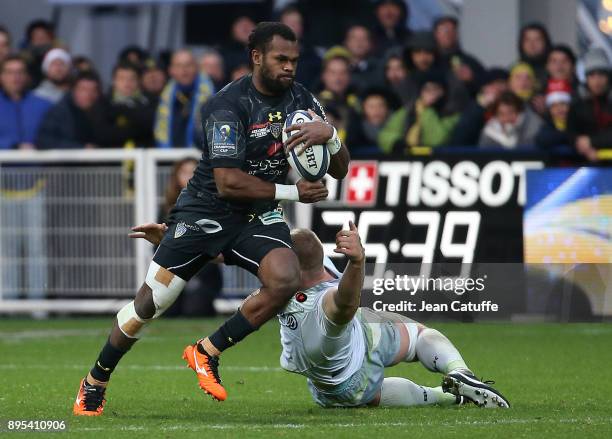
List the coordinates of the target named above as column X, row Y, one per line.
column 386, row 88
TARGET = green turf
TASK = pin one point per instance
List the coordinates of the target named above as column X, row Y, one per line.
column 557, row 377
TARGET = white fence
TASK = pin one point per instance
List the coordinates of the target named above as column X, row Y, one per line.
column 64, row 220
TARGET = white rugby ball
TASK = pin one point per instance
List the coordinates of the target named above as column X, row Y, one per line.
column 313, row 163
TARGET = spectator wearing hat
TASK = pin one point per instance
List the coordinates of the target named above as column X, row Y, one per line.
column 364, row 127
column 56, row 68
column 513, row 124
column 365, row 68
column 590, row 118
column 420, row 57
column 337, row 92
column 554, row 131
column 133, row 54
column 153, row 79
column 426, row 123
column 310, row 62
column 479, row 111
column 390, row 30
column 466, row 70
column 534, row 44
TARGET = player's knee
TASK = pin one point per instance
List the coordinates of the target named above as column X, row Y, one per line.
column 165, row 287
column 143, row 302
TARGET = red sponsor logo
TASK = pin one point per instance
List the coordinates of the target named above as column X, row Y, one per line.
column 361, row 183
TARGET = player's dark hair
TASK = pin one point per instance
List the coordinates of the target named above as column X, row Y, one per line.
column 263, row 34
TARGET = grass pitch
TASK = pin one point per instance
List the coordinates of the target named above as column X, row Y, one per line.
column 557, row 377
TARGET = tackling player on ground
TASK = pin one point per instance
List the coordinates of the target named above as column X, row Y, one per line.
column 230, row 207
column 343, row 349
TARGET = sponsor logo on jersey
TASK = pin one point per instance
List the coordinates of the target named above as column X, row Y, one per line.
column 289, row 321
column 225, row 139
column 301, row 297
column 278, row 116
column 181, row 229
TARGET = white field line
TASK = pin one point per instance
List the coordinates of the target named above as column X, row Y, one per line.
column 153, row 367
column 475, row 423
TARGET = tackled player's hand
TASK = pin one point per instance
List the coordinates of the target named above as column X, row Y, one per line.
column 311, row 192
column 348, row 243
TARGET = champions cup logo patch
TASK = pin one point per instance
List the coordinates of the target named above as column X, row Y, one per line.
column 181, row 229
column 225, row 139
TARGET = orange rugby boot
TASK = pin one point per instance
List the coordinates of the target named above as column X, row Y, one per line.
column 206, row 368
column 90, row 400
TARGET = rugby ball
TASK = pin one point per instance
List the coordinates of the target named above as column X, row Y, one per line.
column 313, row 163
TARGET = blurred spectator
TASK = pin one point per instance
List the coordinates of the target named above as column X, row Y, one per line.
column 396, row 75
column 83, row 64
column 363, row 128
column 134, row 55
column 533, row 45
column 426, row 123
column 475, row 116
column 178, row 112
column 390, row 29
column 5, row 43
column 561, row 64
column 554, row 130
column 153, row 79
column 235, row 50
column 131, row 113
column 365, row 69
column 336, row 93
column 239, row 71
column 199, row 293
column 522, row 81
column 21, row 112
column 310, row 63
column 77, row 120
column 211, row 64
column 464, row 70
column 56, row 67
column 591, row 117
column 513, row 124
column 420, row 59
column 39, row 38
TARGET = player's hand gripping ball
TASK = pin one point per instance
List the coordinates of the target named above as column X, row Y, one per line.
column 309, row 161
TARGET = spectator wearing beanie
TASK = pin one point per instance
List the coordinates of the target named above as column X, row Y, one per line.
column 554, row 130
column 390, row 29
column 512, row 125
column 420, row 58
column 591, row 117
column 426, row 123
column 56, row 68
column 479, row 111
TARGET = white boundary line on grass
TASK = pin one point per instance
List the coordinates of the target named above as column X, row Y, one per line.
column 152, row 367
column 588, row 421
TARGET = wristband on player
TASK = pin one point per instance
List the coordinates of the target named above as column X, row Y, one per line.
column 286, row 192
column 334, row 144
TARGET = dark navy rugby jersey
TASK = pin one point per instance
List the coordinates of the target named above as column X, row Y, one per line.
column 244, row 130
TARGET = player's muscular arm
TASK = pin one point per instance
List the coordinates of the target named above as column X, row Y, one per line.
column 234, row 184
column 338, row 166
column 340, row 305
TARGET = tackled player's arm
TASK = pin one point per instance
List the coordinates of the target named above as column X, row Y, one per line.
column 341, row 305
